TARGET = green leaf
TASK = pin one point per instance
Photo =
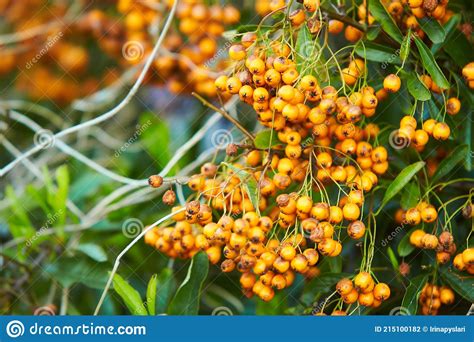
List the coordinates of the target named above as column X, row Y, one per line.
column 60, row 198
column 276, row 306
column 19, row 212
column 377, row 53
column 71, row 270
column 305, row 47
column 405, row 47
column 266, row 138
column 463, row 284
column 417, row 88
column 154, row 135
column 429, row 63
column 410, row 196
column 335, row 264
column 130, row 296
column 401, row 180
column 93, row 251
column 456, row 45
column 449, row 163
column 412, row 293
column 166, row 287
column 451, row 29
column 39, row 197
column 323, row 283
column 187, row 298
column 379, row 12
column 404, row 247
column 373, row 32
column 393, row 259
column 433, row 29
column 151, row 295
column 249, row 183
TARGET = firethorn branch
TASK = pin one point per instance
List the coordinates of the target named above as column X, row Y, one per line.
column 112, row 112
column 35, row 171
column 226, row 115
column 126, row 249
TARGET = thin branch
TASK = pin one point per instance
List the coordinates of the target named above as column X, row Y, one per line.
column 108, row 115
column 126, row 249
column 226, row 115
column 36, row 171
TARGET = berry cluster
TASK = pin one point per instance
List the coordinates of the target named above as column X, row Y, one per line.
column 363, row 289
column 433, row 296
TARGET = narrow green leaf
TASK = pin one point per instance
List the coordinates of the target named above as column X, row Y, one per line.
column 433, row 29
column 71, row 270
column 151, row 295
column 379, row 12
column 405, row 47
column 266, row 138
column 429, row 63
column 373, row 32
column 335, row 264
column 249, row 183
column 60, row 198
column 393, row 259
column 377, row 53
column 404, row 247
column 39, row 197
column 449, row 163
column 410, row 196
column 129, row 295
column 401, row 180
column 463, row 284
column 17, row 209
column 166, row 288
column 323, row 283
column 93, row 251
column 187, row 298
column 412, row 293
column 456, row 45
column 468, row 108
column 451, row 29
column 417, row 88
column 154, row 134
column 305, row 47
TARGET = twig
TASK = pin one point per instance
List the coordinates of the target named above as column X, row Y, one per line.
column 36, row 171
column 113, row 111
column 64, row 301
column 194, row 139
column 224, row 114
column 126, row 249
